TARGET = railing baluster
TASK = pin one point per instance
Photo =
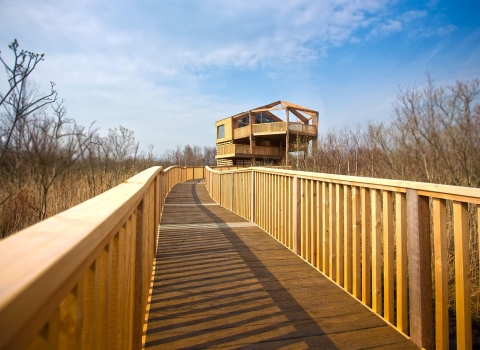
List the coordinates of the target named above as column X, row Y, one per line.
column 332, row 231
column 313, row 223
column 356, row 239
column 366, row 246
column 388, row 257
column 86, row 296
column 441, row 273
column 325, row 228
column 347, row 227
column 121, row 289
column 401, row 257
column 339, row 220
column 377, row 300
column 303, row 218
column 462, row 276
column 296, row 216
column 68, row 311
column 319, row 225
column 100, row 297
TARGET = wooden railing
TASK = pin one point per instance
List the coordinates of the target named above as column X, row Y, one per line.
column 280, row 127
column 276, row 127
column 375, row 238
column 241, row 132
column 81, row 279
column 302, row 128
column 236, row 149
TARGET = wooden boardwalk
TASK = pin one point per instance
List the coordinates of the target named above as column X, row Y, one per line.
column 222, row 282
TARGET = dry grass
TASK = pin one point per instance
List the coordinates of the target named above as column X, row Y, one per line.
column 20, row 210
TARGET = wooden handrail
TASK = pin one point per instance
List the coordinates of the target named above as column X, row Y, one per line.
column 81, row 278
column 376, row 238
column 235, row 149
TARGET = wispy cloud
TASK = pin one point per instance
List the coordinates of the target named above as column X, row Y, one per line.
column 385, row 28
column 429, row 32
column 413, row 15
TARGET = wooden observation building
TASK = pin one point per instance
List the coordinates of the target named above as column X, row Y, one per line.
column 258, row 135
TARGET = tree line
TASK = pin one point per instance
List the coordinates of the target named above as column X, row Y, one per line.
column 433, row 136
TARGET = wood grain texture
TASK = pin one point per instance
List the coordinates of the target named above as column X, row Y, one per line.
column 388, row 257
column 221, row 284
column 441, row 273
column 462, row 276
column 325, row 229
column 366, row 216
column 401, row 256
column 377, row 293
column 356, row 246
column 339, row 215
column 419, row 268
column 332, row 231
column 347, row 226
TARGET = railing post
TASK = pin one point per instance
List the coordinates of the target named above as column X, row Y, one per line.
column 296, row 215
column 252, row 198
column 419, row 268
column 157, row 210
column 462, row 276
column 219, row 189
column 233, row 191
column 162, row 181
column 138, row 296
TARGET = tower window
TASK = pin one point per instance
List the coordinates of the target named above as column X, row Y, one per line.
column 221, row 131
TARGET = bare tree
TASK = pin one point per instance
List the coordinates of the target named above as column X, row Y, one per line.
column 19, row 103
column 437, row 130
column 54, row 144
column 121, row 144
column 209, row 154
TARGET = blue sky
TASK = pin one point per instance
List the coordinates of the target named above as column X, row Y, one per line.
column 169, row 69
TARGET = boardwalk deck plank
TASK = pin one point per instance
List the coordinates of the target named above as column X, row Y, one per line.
column 221, row 282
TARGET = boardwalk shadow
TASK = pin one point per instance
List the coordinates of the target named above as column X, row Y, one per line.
column 221, row 286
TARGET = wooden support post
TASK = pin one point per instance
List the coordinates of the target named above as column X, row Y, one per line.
column 356, row 243
column 287, row 143
column 252, row 199
column 252, row 141
column 325, row 228
column 419, row 268
column 339, row 217
column 138, row 296
column 296, row 215
column 366, row 216
column 347, row 242
column 219, row 189
column 376, row 227
column 332, row 231
column 401, row 256
column 388, row 257
column 441, row 273
column 462, row 276
column 232, row 202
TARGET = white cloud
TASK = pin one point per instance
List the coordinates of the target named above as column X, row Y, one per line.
column 430, row 32
column 386, row 28
column 413, row 15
